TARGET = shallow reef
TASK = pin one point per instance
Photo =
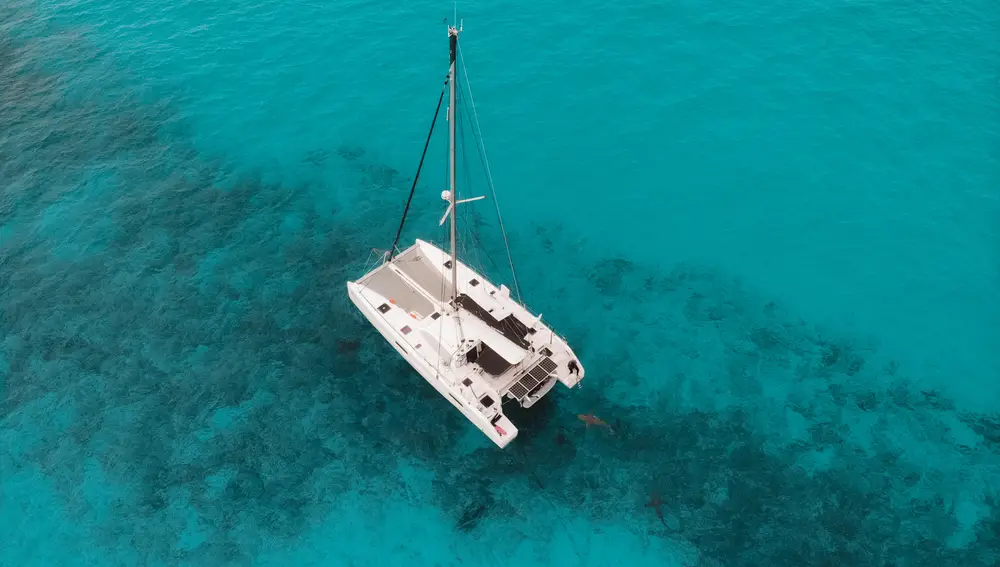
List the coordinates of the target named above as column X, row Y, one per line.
column 180, row 334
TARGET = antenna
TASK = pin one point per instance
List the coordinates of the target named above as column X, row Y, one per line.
column 457, row 23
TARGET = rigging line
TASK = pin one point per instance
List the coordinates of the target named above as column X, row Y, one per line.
column 444, row 241
column 476, row 223
column 399, row 232
column 480, row 244
column 504, row 323
column 444, row 229
column 437, row 368
column 507, row 325
column 468, row 217
column 479, row 153
column 442, row 236
column 468, row 212
column 454, row 115
column 489, row 175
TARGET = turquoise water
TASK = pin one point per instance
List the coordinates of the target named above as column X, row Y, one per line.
column 771, row 231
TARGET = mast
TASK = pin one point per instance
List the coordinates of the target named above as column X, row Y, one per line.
column 452, row 119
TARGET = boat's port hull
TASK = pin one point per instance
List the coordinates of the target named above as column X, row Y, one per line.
column 429, row 374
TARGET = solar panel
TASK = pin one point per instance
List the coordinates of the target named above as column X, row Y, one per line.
column 532, row 378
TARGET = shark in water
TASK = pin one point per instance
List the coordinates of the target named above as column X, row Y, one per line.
column 656, row 503
column 591, row 419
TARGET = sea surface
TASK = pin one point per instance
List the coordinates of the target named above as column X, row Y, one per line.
column 770, row 229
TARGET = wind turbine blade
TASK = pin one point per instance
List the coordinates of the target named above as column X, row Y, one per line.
column 445, row 217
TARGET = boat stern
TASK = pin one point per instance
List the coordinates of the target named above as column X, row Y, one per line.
column 504, row 431
column 570, row 372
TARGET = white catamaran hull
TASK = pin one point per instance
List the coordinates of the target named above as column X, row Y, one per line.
column 429, row 374
column 423, row 368
column 437, row 340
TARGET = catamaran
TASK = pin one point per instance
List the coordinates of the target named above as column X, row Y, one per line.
column 474, row 343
